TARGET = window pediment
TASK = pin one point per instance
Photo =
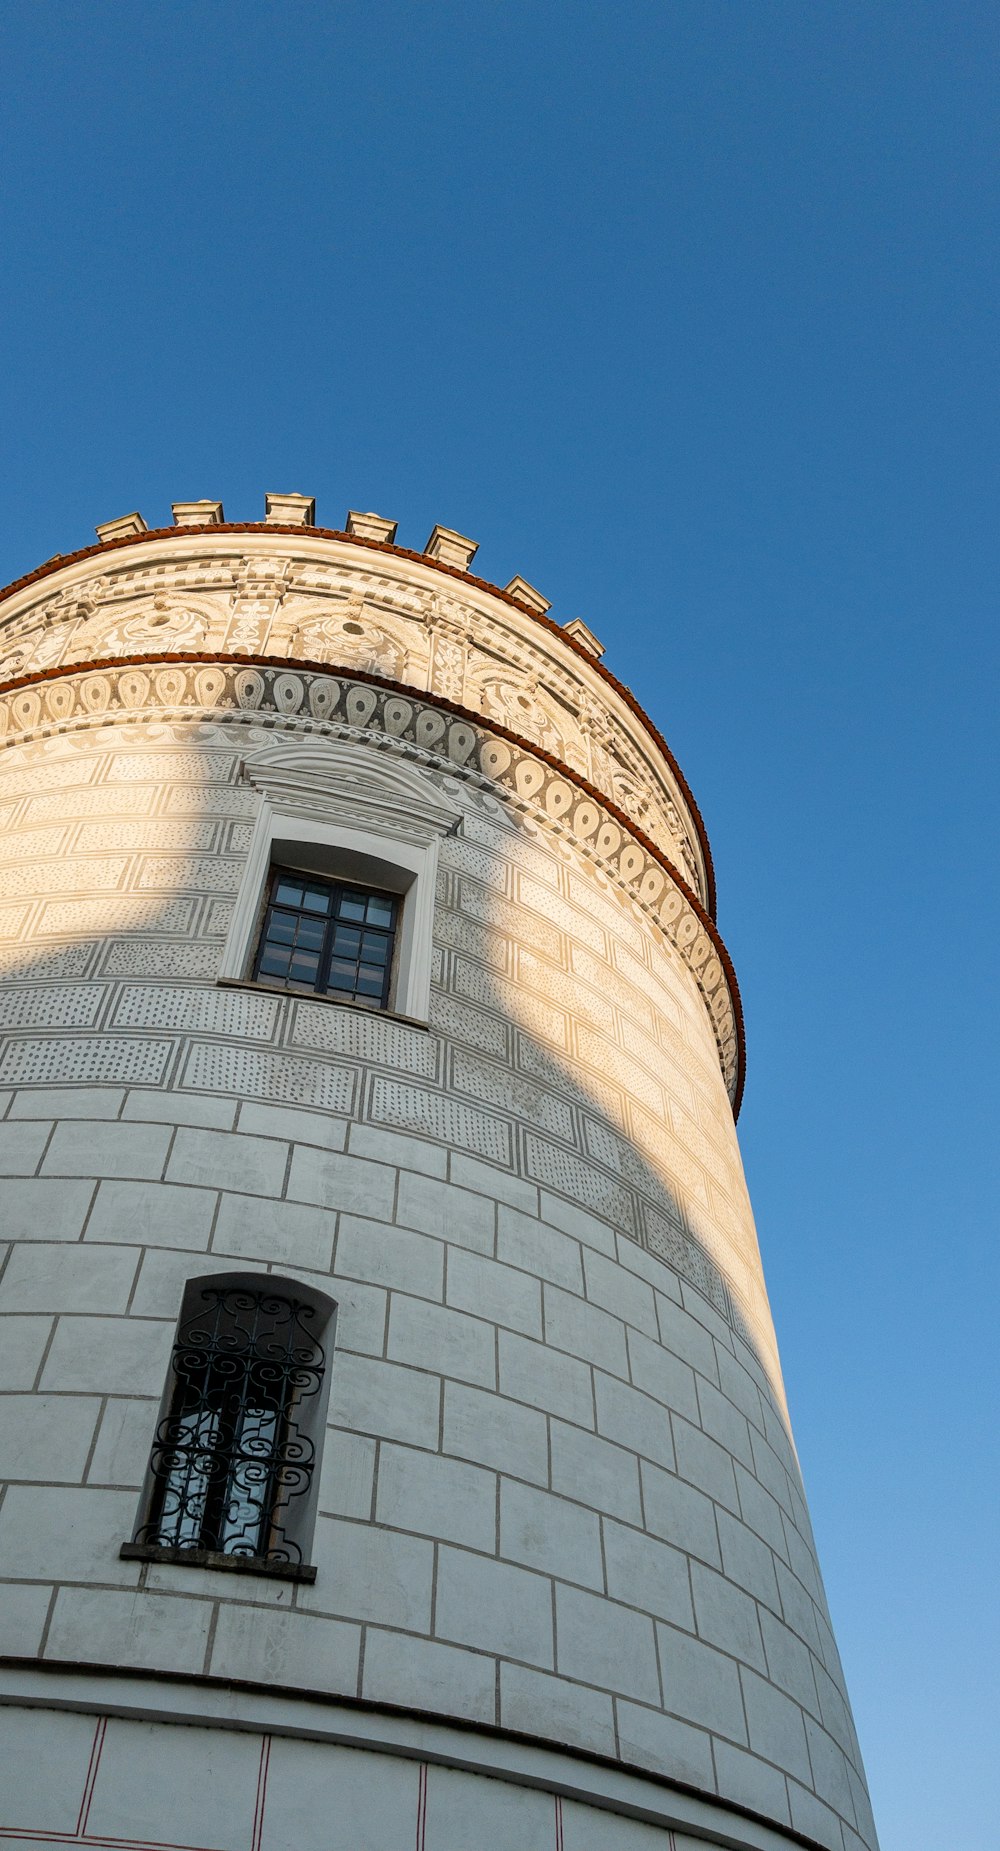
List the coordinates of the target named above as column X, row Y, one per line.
column 346, row 781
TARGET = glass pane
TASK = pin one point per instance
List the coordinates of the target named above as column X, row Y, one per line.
column 311, row 934
column 370, row 980
column 289, row 892
column 342, row 974
column 346, row 941
column 316, row 900
column 304, row 967
column 274, row 963
column 247, row 1490
column 380, row 910
column 281, row 930
column 374, row 947
column 352, row 906
column 186, row 1488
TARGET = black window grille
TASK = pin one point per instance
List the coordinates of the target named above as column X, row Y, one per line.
column 231, row 1462
column 330, row 937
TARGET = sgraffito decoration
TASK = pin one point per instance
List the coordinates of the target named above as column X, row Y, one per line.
column 338, row 703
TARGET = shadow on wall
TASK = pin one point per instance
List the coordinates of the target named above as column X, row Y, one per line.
column 613, row 1058
column 566, row 1021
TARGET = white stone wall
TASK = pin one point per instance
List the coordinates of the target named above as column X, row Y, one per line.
column 558, row 1493
column 108, row 1780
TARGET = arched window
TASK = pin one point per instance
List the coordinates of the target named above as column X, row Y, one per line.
column 232, row 1470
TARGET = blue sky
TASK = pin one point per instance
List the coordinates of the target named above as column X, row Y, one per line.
column 686, row 311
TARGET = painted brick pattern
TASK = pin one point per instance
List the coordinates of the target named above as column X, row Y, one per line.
column 558, row 1489
column 247, row 1790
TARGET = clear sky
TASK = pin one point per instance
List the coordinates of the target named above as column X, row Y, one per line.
column 686, row 311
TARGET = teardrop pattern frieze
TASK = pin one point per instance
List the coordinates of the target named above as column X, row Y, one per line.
column 339, row 704
column 376, row 622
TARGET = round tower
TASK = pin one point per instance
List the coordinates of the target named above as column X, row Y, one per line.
column 395, row 1444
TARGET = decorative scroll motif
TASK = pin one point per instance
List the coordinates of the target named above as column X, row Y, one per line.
column 231, row 1462
column 337, row 704
column 350, row 635
column 163, row 624
column 30, row 652
column 521, row 707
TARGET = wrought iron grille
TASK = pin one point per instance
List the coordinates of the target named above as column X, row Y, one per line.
column 330, row 937
column 231, row 1462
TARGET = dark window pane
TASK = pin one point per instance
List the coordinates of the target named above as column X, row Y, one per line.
column 274, row 963
column 311, row 933
column 281, row 930
column 324, row 930
column 304, row 968
column 352, row 906
column 380, row 910
column 316, row 901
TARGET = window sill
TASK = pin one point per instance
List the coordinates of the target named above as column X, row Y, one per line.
column 214, row 1558
column 313, row 996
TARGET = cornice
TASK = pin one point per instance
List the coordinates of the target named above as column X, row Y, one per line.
column 283, row 667
column 60, row 561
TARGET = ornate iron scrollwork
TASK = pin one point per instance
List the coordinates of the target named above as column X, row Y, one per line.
column 231, row 1459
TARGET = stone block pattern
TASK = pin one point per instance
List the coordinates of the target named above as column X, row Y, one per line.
column 558, row 1492
column 110, row 1780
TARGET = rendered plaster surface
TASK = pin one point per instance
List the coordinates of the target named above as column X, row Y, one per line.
column 350, row 1782
column 559, row 1495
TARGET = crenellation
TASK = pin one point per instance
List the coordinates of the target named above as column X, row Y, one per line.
column 527, row 595
column 371, row 527
column 197, row 513
column 290, row 510
column 121, row 528
column 451, row 548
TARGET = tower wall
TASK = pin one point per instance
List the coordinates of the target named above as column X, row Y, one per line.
column 561, row 1537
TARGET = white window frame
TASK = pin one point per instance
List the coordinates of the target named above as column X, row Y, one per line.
column 350, row 811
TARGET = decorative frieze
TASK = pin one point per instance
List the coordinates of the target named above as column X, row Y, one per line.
column 340, row 705
column 460, row 644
